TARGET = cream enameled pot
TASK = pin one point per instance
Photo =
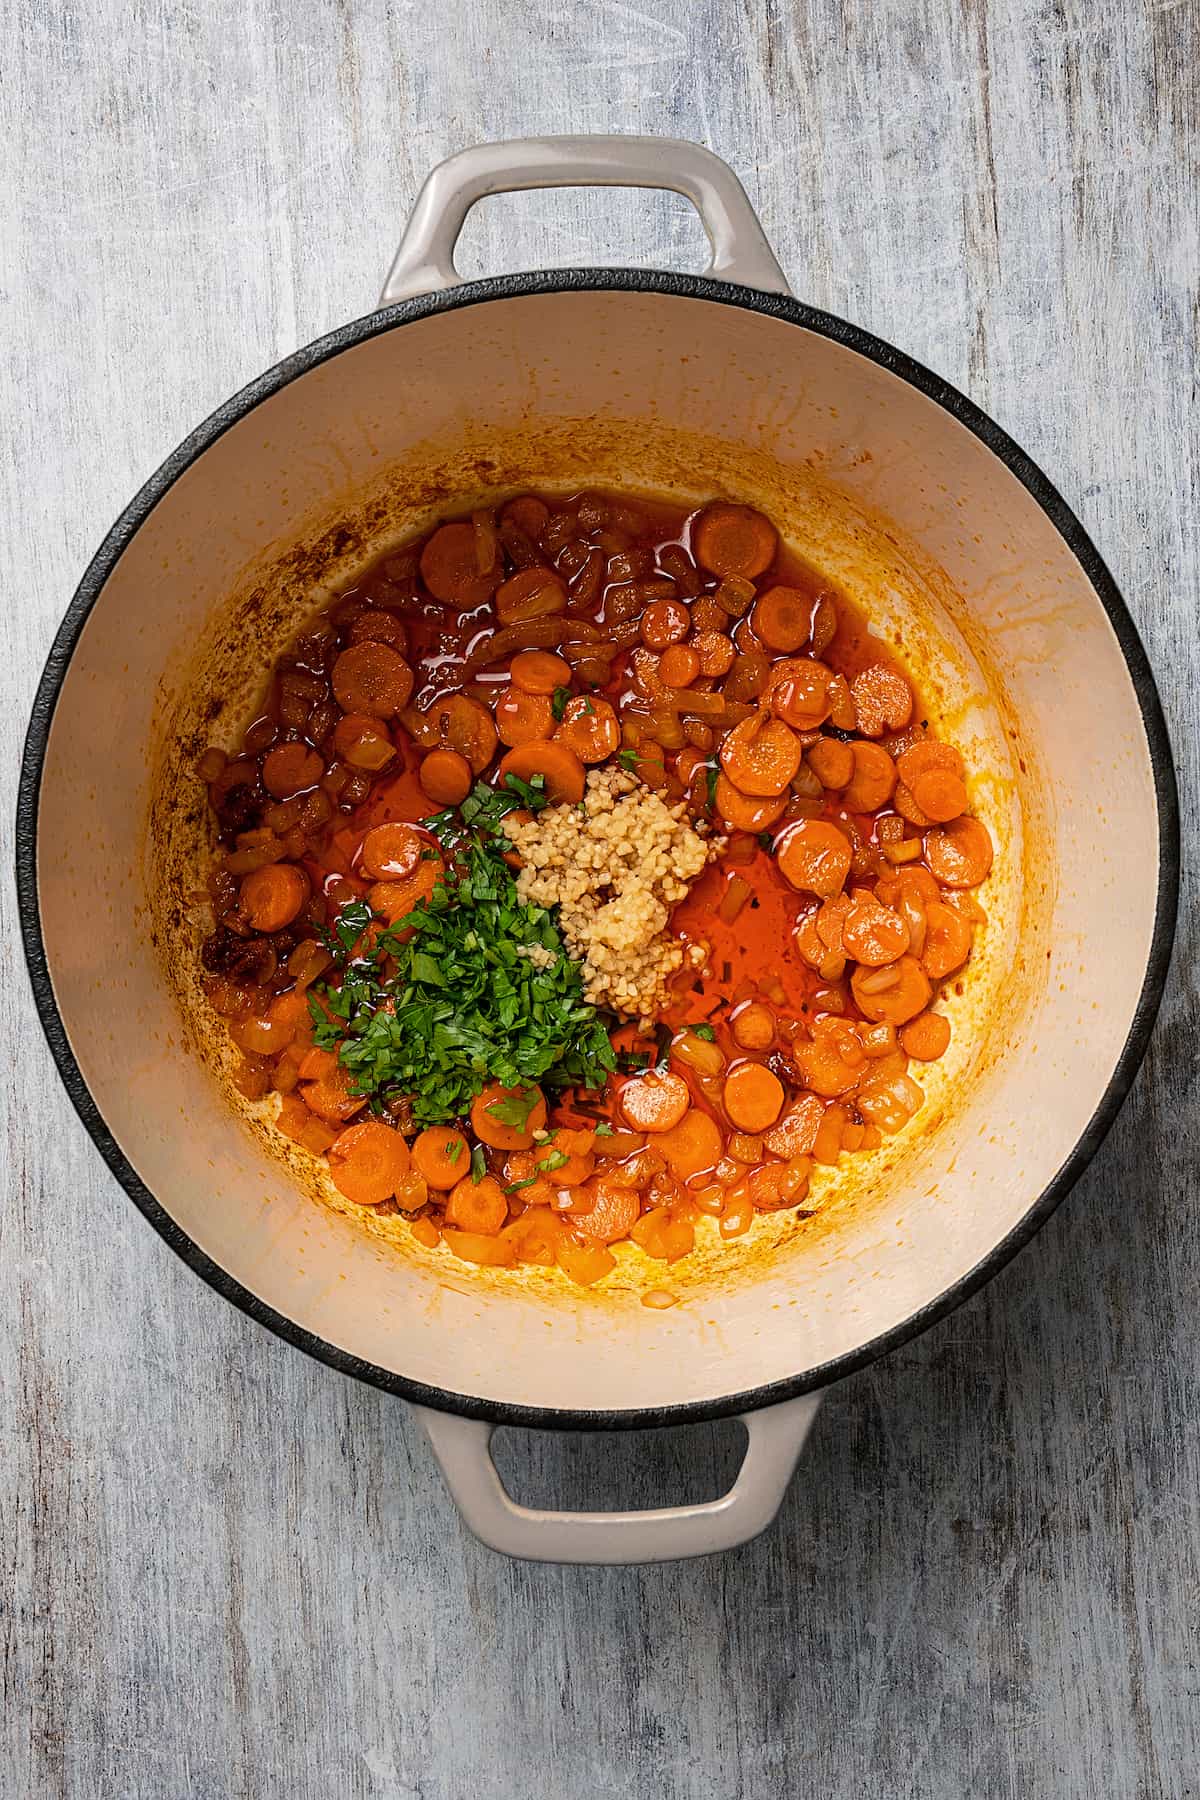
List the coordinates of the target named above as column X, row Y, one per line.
column 878, row 473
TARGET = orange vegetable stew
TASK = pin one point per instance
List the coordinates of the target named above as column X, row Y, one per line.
column 427, row 946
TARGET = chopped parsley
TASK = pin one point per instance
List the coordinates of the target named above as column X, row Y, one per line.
column 554, row 1159
column 703, row 1031
column 478, row 1164
column 628, row 759
column 559, row 700
column 448, row 998
column 711, row 774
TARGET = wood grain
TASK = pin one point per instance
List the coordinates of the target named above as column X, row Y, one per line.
column 225, row 1571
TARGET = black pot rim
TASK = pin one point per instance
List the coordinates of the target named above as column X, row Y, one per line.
column 720, row 293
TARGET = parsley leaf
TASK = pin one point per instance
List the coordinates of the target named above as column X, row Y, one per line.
column 454, row 1150
column 514, row 1109
column 604, row 1129
column 550, row 1161
column 478, row 1164
column 710, row 775
column 628, row 759
column 558, row 701
column 703, row 1031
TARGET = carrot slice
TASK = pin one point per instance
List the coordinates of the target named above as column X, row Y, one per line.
column 378, row 627
column 394, row 900
column 733, row 540
column 948, row 940
column 679, row 665
column 556, row 763
column 814, row 856
column 456, row 722
column 450, row 567
column 363, row 742
column 271, row 897
column 539, row 671
column 522, row 718
column 477, row 1206
column 531, row 594
column 663, row 1235
column 873, row 934
column 959, row 854
column 753, row 1026
column 715, row 652
column 905, row 803
column 926, row 1037
column 744, row 812
column 665, row 622
column 832, row 762
column 392, row 852
column 654, row 1102
column 446, row 777
column 506, row 1118
column 895, row 1001
column 761, row 755
column 874, row 779
column 796, row 1132
column 369, row 1162
column 529, row 514
column 291, row 769
column 799, row 692
column 929, row 754
column 883, row 700
column 613, row 1211
column 940, row 793
column 691, row 1146
column 372, row 678
column 783, row 617
column 753, row 1096
column 589, row 728
column 330, row 1096
column 440, row 1155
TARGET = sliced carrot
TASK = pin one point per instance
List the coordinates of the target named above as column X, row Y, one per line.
column 679, row 665
column 495, row 1106
column 941, row 794
column 539, row 671
column 929, row 754
column 529, row 514
column 776, row 1185
column 832, row 762
column 445, row 777
column 589, row 728
column 796, row 1132
column 753, row 1026
column 883, row 700
column 895, row 1001
column 612, row 1212
column 291, row 769
column 330, row 1096
column 369, row 1162
column 753, row 1096
column 441, row 1155
column 926, row 1037
column 271, row 897
column 450, row 567
column 474, row 1247
column 394, row 900
column 905, row 803
column 559, row 766
column 959, row 854
column 948, row 940
column 372, row 678
column 378, row 627
column 733, row 540
column 531, row 594
column 745, row 812
column 456, row 722
column 665, row 622
column 293, row 1116
column 392, row 852
column 654, row 1102
column 782, row 618
column 363, row 742
column 799, row 692
column 874, row 779
column 814, row 856
column 477, row 1206
column 832, row 1062
column 872, row 933
column 522, row 718
column 715, row 652
column 691, row 1146
column 761, row 755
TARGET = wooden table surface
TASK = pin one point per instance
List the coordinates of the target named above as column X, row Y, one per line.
column 227, row 1571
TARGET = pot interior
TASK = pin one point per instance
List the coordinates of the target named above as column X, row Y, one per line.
column 872, row 482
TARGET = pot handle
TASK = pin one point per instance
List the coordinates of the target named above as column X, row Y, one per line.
column 775, row 1438
column 425, row 259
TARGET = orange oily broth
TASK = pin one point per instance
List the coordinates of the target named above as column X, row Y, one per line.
column 753, row 956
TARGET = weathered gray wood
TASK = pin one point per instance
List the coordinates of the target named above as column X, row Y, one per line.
column 225, row 1571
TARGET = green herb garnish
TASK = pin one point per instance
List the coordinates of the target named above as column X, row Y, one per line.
column 454, row 1150
column 559, row 700
column 628, row 759
column 554, row 1159
column 478, row 1163
column 711, row 774
column 527, row 1182
column 604, row 1129
column 460, row 1002
column 765, row 841
column 703, row 1031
